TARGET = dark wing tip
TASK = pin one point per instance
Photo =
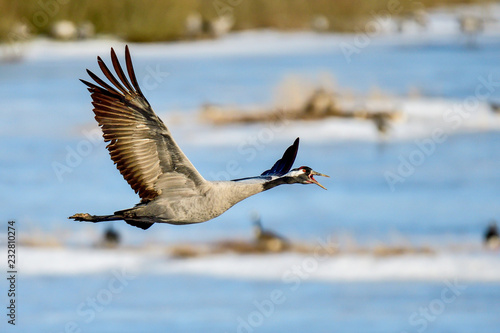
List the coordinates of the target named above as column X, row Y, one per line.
column 87, row 83
column 131, row 72
column 113, row 54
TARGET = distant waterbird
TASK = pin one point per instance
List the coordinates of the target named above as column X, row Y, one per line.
column 495, row 107
column 268, row 240
column 491, row 236
column 144, row 151
column 111, row 238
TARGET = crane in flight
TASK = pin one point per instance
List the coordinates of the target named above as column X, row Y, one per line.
column 144, row 151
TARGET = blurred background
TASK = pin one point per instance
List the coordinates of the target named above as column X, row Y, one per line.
column 398, row 101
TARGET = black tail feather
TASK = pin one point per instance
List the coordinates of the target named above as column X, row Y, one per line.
column 142, row 225
column 284, row 164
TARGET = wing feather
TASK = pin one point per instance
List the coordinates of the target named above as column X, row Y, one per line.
column 105, row 70
column 131, row 72
column 119, row 71
column 139, row 143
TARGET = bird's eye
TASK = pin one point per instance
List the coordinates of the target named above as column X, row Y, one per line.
column 303, row 170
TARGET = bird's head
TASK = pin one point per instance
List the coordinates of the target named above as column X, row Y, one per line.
column 305, row 175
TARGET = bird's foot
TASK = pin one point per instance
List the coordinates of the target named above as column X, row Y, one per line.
column 81, row 217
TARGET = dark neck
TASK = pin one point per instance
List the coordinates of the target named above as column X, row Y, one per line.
column 278, row 181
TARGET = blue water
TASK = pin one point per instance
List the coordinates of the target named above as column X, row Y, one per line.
column 452, row 195
column 163, row 303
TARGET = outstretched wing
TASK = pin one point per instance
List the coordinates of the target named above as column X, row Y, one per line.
column 139, row 143
column 283, row 165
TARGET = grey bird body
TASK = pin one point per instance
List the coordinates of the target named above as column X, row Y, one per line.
column 171, row 189
column 213, row 199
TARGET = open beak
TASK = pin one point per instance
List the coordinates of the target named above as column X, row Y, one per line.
column 314, row 181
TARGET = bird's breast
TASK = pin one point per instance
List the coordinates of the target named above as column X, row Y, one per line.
column 213, row 201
